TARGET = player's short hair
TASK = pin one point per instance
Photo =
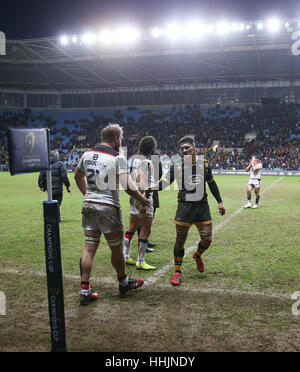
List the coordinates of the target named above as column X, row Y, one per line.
column 110, row 131
column 187, row 139
column 147, row 145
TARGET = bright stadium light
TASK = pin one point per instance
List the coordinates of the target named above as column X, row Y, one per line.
column 105, row 37
column 64, row 40
column 126, row 35
column 156, row 32
column 237, row 27
column 173, row 31
column 209, row 29
column 273, row 25
column 194, row 30
column 260, row 26
column 222, row 28
column 88, row 38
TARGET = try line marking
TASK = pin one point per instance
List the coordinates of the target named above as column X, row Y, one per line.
column 158, row 274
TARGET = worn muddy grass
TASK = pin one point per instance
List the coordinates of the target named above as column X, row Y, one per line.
column 151, row 319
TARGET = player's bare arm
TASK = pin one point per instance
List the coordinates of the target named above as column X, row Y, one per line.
column 80, row 180
column 249, row 166
column 216, row 193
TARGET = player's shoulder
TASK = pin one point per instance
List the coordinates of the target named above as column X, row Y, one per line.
column 104, row 150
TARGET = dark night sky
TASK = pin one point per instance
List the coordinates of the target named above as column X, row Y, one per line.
column 21, row 19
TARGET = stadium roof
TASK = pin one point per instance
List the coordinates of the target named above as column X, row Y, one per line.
column 47, row 64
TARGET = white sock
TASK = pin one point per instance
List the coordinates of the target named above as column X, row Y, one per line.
column 143, row 244
column 126, row 248
column 124, row 281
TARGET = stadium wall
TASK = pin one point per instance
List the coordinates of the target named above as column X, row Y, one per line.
column 204, row 94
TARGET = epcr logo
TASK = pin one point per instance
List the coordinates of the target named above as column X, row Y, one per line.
column 2, row 303
column 2, row 44
column 29, row 142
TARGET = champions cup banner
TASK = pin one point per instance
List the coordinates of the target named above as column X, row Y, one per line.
column 28, row 150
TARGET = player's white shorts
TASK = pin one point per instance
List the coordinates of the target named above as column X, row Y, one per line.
column 135, row 207
column 105, row 218
column 255, row 183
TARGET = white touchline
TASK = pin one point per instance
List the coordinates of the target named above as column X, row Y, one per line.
column 158, row 274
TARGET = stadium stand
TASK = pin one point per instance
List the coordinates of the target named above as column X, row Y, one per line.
column 227, row 135
column 237, row 94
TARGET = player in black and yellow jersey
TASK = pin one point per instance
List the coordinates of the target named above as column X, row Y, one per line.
column 191, row 173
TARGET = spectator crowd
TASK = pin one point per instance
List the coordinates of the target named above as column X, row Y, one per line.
column 227, row 136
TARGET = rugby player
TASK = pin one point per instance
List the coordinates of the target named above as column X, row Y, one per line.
column 142, row 172
column 97, row 176
column 193, row 208
column 255, row 167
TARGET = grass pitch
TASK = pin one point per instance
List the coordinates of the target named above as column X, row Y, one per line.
column 242, row 301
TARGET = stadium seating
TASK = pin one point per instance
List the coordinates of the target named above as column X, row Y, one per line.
column 274, row 133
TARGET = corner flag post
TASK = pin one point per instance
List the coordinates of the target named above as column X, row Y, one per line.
column 29, row 151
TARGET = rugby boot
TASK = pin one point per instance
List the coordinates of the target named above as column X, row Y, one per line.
column 144, row 266
column 130, row 261
column 176, row 279
column 132, row 284
column 87, row 299
column 199, row 262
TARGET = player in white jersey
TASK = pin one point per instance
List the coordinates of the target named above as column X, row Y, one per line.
column 98, row 175
column 255, row 167
column 142, row 172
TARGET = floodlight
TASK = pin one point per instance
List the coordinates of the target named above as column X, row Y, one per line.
column 64, row 40
column 156, row 32
column 88, row 38
column 105, row 37
column 273, row 25
column 126, row 35
column 194, row 30
column 173, row 31
column 260, row 26
column 237, row 27
column 223, row 28
column 209, row 29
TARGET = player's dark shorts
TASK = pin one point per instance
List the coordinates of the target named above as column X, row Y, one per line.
column 189, row 214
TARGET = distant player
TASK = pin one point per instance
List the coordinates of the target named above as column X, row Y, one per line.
column 255, row 167
column 142, row 173
column 98, row 175
column 191, row 173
